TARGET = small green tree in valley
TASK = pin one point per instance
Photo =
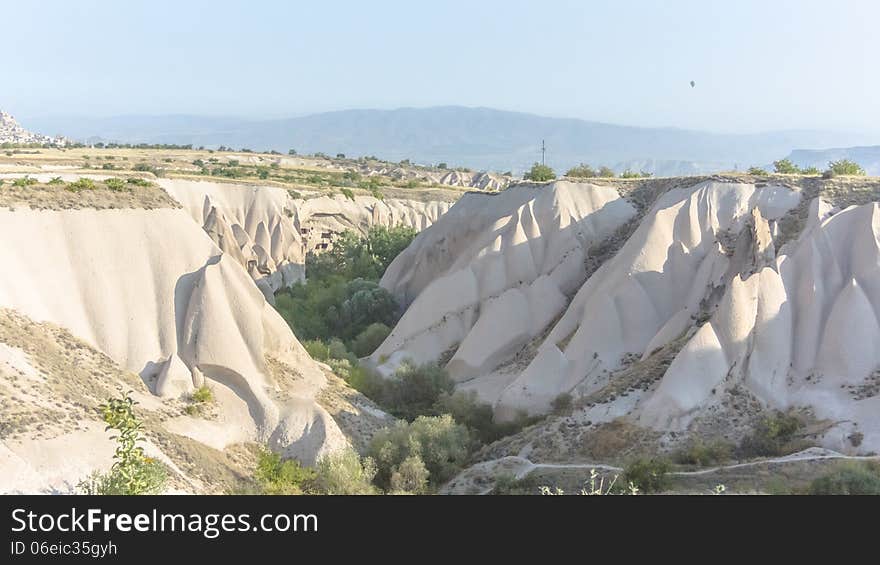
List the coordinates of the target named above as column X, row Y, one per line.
column 845, row 167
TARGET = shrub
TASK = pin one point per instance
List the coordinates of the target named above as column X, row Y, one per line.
column 648, row 475
column 415, row 389
column 115, row 185
column 581, row 171
column 202, row 395
column 627, row 174
column 849, row 479
column 24, row 181
column 605, row 172
column 758, row 171
column 786, row 167
column 442, row 445
column 275, row 475
column 132, row 473
column 705, row 454
column 317, row 349
column 146, row 168
column 562, row 403
column 540, row 173
column 845, row 167
column 82, row 184
column 410, row 477
column 812, row 171
column 347, row 193
column 465, row 408
column 56, row 180
column 773, row 435
column 370, row 339
column 344, row 472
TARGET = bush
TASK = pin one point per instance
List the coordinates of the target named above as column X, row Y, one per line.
column 137, row 181
column 540, row 173
column 370, row 339
column 202, row 395
column 82, row 184
column 705, row 454
column 774, row 435
column 758, row 171
column 132, row 473
column 56, row 180
column 24, row 181
column 648, row 475
column 414, row 390
column 845, row 167
column 627, row 174
column 581, row 171
column 347, row 193
column 146, row 168
column 115, row 185
column 344, row 472
column 277, row 476
column 562, row 403
column 849, row 479
column 442, row 445
column 786, row 167
column 465, row 408
column 410, row 477
column 605, row 172
column 812, row 171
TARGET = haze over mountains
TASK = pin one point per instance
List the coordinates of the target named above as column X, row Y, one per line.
column 481, row 138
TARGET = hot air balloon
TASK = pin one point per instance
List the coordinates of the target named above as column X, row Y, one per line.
column 693, row 84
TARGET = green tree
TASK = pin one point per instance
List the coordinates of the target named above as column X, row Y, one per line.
column 540, row 173
column 581, row 171
column 845, row 167
column 442, row 445
column 605, row 172
column 758, row 171
column 370, row 339
column 785, row 167
column 132, row 473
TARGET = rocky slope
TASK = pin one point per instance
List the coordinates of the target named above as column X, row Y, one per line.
column 159, row 308
column 269, row 230
column 684, row 306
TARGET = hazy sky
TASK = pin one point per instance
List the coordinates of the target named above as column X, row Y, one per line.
column 758, row 64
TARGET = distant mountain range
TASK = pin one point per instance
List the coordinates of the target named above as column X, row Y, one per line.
column 481, row 138
column 867, row 157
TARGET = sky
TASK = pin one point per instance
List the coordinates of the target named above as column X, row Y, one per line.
column 758, row 65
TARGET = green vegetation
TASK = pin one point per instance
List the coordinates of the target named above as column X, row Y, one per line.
column 540, row 173
column 202, row 395
column 435, row 443
column 24, row 181
column 133, row 472
column 344, row 472
column 785, row 167
column 758, row 171
column 849, row 478
column 845, row 167
column 56, row 181
column 627, row 174
column 648, row 475
column 581, row 171
column 605, row 172
column 370, row 339
column 774, row 435
column 115, row 184
column 137, row 181
column 275, row 475
column 705, row 454
column 811, row 171
column 82, row 184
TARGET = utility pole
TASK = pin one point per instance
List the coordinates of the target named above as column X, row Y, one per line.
column 543, row 151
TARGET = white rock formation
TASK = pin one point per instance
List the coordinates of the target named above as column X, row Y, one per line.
column 269, row 232
column 493, row 272
column 802, row 332
column 648, row 293
column 152, row 291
